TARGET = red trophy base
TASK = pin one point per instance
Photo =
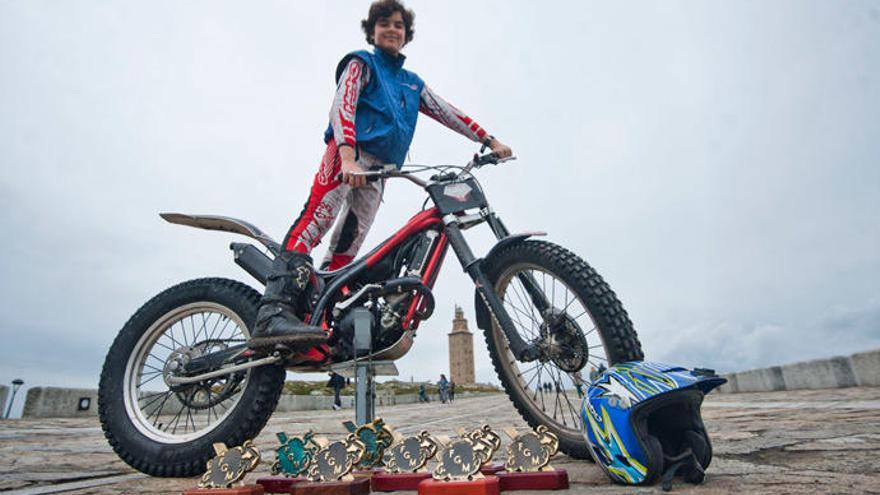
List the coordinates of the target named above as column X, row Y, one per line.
column 392, row 482
column 235, row 490
column 493, row 468
column 481, row 486
column 278, row 484
column 360, row 486
column 556, row 479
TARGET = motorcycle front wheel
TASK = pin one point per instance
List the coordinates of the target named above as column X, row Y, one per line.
column 165, row 429
column 581, row 330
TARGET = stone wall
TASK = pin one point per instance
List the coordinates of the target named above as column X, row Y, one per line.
column 862, row 369
column 4, row 393
column 54, row 402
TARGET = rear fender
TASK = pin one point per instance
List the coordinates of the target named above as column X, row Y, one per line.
column 484, row 319
column 224, row 224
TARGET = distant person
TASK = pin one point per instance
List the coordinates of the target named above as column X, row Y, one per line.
column 443, row 385
column 451, row 391
column 579, row 383
column 336, row 382
column 423, row 393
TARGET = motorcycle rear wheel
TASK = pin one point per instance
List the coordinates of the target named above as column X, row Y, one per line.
column 595, row 332
column 194, row 317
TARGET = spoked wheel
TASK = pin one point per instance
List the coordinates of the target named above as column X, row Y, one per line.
column 560, row 304
column 161, row 426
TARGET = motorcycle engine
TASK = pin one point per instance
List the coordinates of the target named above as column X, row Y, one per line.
column 387, row 310
column 386, row 313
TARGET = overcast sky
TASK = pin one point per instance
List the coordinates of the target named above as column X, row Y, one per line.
column 715, row 161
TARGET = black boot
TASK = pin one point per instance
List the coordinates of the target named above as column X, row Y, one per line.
column 277, row 322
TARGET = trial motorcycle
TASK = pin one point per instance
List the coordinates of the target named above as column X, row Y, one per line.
column 179, row 376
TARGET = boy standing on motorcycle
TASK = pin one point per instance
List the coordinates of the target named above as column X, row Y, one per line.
column 372, row 121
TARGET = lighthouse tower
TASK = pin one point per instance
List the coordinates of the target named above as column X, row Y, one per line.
column 461, row 350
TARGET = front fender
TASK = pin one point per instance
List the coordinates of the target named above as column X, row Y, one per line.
column 484, row 320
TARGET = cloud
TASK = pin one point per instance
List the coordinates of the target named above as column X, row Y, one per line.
column 736, row 346
column 721, row 174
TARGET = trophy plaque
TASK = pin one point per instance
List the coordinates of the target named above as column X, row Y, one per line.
column 531, row 452
column 411, row 454
column 330, row 470
column 405, row 462
column 292, row 461
column 528, row 462
column 485, row 436
column 459, row 462
column 228, row 467
column 376, row 437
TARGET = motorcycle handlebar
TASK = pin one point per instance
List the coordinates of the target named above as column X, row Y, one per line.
column 487, row 159
column 391, row 171
column 371, row 175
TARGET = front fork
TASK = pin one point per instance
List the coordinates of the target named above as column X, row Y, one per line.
column 522, row 350
column 531, row 285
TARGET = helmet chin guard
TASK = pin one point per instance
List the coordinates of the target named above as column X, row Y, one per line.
column 642, row 422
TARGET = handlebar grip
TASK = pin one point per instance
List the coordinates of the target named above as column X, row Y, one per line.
column 370, row 178
column 488, row 158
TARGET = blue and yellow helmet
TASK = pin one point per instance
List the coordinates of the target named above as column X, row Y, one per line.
column 642, row 421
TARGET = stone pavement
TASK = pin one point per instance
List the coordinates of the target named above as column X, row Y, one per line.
column 810, row 441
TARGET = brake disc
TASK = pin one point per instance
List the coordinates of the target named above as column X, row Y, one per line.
column 205, row 394
column 566, row 344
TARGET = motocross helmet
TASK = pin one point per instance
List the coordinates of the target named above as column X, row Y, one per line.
column 642, row 421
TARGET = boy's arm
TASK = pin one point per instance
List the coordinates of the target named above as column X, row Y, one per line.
column 442, row 111
column 353, row 79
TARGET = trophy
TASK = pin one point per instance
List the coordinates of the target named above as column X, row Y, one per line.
column 292, row 461
column 228, row 467
column 411, row 454
column 330, row 470
column 459, row 463
column 528, row 462
column 376, row 437
column 531, row 452
column 492, row 438
column 405, row 462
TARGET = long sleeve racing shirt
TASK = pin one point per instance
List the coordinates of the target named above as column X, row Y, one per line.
column 357, row 75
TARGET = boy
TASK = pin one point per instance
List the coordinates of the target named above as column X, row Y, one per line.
column 372, row 121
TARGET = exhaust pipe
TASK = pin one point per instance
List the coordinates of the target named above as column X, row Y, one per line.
column 254, row 261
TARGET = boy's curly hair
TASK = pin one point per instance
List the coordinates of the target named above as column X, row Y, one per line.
column 385, row 8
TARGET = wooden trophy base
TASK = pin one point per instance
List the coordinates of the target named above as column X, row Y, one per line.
column 366, row 473
column 392, row 482
column 493, row 468
column 482, row 486
column 359, row 486
column 278, row 484
column 556, row 479
column 235, row 490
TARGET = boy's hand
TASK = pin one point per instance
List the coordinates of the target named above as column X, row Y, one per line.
column 500, row 149
column 349, row 166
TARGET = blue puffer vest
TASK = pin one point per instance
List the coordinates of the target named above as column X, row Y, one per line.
column 387, row 108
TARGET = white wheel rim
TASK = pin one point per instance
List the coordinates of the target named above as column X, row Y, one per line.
column 217, row 322
column 562, row 402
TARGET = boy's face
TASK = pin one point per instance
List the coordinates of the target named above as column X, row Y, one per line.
column 390, row 33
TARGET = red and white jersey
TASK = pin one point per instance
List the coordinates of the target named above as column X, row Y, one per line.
column 356, row 76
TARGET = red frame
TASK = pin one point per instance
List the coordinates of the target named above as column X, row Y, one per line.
column 419, row 222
